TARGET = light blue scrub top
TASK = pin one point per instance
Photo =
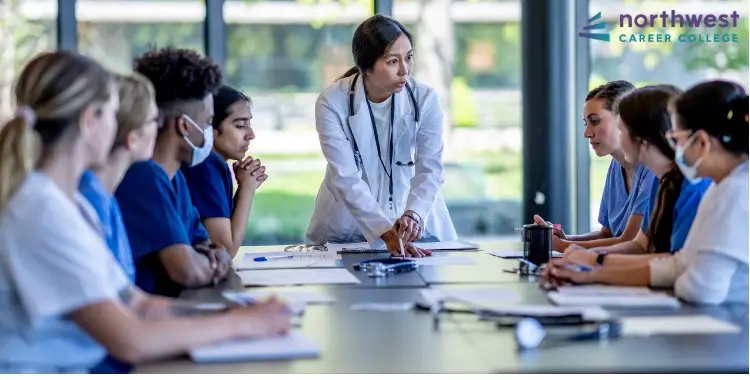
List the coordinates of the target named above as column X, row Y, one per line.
column 618, row 204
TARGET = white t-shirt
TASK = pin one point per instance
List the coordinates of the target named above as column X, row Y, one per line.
column 712, row 266
column 382, row 113
column 52, row 261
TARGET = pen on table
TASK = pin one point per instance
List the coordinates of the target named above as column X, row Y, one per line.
column 401, row 246
column 266, row 258
column 578, row 268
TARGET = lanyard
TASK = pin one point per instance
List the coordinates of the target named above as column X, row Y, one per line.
column 390, row 147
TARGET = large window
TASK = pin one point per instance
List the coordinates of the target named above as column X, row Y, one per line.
column 282, row 54
column 478, row 44
column 680, row 64
column 116, row 31
column 27, row 28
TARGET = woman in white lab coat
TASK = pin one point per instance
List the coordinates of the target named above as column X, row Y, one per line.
column 381, row 132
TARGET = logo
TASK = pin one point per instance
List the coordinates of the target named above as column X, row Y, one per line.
column 598, row 26
column 695, row 28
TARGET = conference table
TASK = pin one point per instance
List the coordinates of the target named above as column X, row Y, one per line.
column 409, row 341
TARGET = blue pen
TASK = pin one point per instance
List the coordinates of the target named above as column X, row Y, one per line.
column 266, row 258
column 578, row 268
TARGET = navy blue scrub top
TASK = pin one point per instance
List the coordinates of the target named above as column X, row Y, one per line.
column 158, row 214
column 211, row 187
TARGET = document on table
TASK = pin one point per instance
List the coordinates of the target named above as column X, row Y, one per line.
column 443, row 260
column 590, row 290
column 284, row 277
column 519, row 254
column 294, row 260
column 473, row 296
column 590, row 313
column 676, row 324
column 290, row 346
column 614, row 300
column 294, row 296
column 448, row 246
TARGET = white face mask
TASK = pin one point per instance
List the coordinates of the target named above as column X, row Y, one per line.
column 690, row 172
column 200, row 153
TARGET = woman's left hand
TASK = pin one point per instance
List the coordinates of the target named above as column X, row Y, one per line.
column 560, row 272
column 408, row 229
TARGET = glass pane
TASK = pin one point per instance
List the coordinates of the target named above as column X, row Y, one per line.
column 479, row 44
column 116, row 32
column 27, row 28
column 282, row 54
column 679, row 63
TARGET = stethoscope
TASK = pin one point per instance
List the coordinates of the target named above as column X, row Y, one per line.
column 358, row 156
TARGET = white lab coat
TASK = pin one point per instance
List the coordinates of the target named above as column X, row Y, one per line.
column 347, row 206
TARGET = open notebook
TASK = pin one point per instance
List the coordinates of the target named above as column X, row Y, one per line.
column 290, row 346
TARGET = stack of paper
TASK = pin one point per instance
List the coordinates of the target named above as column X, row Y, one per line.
column 519, row 254
column 434, row 246
column 587, row 313
column 472, row 296
column 443, row 260
column 284, row 277
column 676, row 324
column 290, row 346
column 448, row 246
column 251, row 296
column 615, row 296
column 290, row 260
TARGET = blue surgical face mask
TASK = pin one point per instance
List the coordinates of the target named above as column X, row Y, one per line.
column 689, row 171
column 200, row 153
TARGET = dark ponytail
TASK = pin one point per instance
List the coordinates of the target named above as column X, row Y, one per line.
column 720, row 108
column 645, row 114
column 371, row 40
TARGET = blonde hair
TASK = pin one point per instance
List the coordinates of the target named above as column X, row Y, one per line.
column 136, row 97
column 55, row 88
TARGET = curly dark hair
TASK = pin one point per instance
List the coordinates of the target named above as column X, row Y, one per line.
column 609, row 92
column 179, row 75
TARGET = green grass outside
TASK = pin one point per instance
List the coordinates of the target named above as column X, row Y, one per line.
column 284, row 204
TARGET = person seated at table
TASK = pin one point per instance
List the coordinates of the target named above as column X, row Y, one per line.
column 710, row 137
column 171, row 249
column 643, row 118
column 134, row 142
column 210, row 183
column 66, row 300
column 627, row 189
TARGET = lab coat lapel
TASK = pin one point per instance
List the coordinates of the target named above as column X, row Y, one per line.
column 362, row 131
column 402, row 112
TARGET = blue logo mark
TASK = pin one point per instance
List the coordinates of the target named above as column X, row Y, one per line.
column 598, row 26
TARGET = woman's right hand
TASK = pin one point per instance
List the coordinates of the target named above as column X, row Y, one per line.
column 394, row 247
column 556, row 230
column 261, row 320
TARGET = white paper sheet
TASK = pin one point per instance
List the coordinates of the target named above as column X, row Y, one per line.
column 290, row 346
column 591, row 313
column 283, row 277
column 306, row 297
column 676, row 324
column 519, row 254
column 382, row 306
column 447, row 246
column 351, row 246
column 474, row 296
column 297, row 260
column 443, row 260
column 603, row 290
column 614, row 300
